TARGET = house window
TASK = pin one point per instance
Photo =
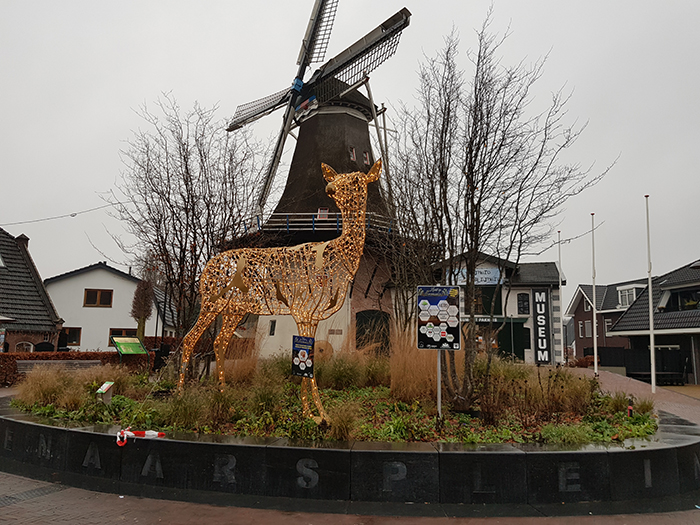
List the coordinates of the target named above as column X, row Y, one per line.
column 523, row 304
column 101, row 298
column 352, row 154
column 273, row 326
column 589, row 330
column 608, row 325
column 580, row 329
column 365, row 158
column 586, row 305
column 73, row 336
column 679, row 300
column 626, row 297
column 121, row 332
column 24, row 346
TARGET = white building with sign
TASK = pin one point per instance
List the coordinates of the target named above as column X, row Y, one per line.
column 527, row 306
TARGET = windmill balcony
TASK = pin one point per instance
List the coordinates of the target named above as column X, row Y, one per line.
column 313, row 222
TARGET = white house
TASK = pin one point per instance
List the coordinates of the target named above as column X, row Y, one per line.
column 95, row 303
column 528, row 305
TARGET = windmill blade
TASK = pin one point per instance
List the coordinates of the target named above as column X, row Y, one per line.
column 287, row 121
column 359, row 59
column 318, row 33
column 252, row 111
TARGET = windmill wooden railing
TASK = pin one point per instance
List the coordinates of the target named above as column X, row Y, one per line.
column 326, row 222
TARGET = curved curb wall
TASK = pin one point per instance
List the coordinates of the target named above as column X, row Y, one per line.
column 359, row 471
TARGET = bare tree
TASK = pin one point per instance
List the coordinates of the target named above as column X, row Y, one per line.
column 188, row 186
column 483, row 173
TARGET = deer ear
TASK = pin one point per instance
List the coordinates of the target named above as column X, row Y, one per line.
column 374, row 172
column 328, row 173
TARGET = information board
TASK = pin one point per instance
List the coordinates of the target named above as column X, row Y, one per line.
column 302, row 356
column 129, row 345
column 438, row 317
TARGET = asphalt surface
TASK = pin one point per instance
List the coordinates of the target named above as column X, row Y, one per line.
column 28, row 501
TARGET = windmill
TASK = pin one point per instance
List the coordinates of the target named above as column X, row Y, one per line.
column 340, row 128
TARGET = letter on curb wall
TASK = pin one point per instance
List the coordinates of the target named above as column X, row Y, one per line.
column 393, row 471
column 309, row 477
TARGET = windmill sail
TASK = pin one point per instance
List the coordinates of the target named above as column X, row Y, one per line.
column 361, row 58
column 318, row 33
column 252, row 111
column 329, row 81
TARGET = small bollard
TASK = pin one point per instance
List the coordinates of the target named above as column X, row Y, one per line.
column 104, row 393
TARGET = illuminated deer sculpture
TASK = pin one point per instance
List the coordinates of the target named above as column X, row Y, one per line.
column 308, row 281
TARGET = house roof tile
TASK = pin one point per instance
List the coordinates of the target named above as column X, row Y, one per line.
column 534, row 273
column 23, row 297
column 636, row 318
column 97, row 266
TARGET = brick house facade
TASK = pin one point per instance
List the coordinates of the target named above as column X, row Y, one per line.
column 612, row 301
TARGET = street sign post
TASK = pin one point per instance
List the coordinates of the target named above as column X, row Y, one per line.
column 438, row 324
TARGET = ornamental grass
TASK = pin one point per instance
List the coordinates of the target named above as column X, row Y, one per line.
column 368, row 396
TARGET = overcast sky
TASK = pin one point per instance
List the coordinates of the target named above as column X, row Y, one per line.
column 73, row 74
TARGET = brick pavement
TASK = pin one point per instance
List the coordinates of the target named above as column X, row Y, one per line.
column 27, row 501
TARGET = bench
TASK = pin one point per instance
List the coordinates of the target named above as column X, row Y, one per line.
column 24, row 366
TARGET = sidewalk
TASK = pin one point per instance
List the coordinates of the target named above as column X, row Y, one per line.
column 26, row 501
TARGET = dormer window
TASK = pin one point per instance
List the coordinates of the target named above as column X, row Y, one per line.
column 352, row 154
column 365, row 158
column 681, row 300
column 626, row 297
column 586, row 306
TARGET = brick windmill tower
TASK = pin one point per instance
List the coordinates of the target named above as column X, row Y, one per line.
column 331, row 119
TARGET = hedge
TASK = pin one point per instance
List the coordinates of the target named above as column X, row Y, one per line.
column 8, row 362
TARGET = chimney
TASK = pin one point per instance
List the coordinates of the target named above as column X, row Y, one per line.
column 23, row 240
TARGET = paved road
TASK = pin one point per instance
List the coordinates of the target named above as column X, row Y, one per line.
column 27, row 501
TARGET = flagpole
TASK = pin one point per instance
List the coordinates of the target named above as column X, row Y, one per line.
column 594, row 308
column 561, row 306
column 652, row 346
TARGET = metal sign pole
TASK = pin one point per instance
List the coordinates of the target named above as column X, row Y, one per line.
column 439, row 385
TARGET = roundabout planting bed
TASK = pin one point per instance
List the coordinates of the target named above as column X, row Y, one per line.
column 519, row 404
column 259, row 445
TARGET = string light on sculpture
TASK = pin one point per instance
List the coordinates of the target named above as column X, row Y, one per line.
column 308, row 281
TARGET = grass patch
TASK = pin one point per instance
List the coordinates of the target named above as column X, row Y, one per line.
column 368, row 397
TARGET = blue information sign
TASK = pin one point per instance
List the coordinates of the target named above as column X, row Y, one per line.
column 302, row 356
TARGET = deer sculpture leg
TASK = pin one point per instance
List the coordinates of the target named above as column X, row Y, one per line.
column 230, row 323
column 309, row 330
column 205, row 319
